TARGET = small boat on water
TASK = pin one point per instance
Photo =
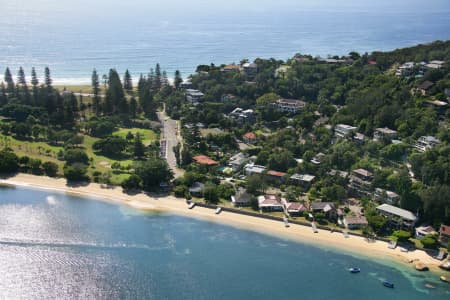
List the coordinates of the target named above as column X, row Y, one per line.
column 388, row 284
column 191, row 206
column 354, row 270
column 218, row 210
column 444, row 279
column 286, row 222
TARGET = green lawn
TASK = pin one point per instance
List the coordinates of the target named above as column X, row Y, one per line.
column 148, row 136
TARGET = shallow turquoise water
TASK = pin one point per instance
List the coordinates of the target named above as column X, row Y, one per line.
column 54, row 246
column 73, row 37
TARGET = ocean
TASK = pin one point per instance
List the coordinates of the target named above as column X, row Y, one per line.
column 74, row 37
column 55, row 246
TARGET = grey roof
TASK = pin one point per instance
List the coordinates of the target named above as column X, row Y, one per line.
column 322, row 205
column 303, row 177
column 394, row 210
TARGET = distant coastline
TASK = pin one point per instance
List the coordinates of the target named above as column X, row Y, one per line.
column 357, row 246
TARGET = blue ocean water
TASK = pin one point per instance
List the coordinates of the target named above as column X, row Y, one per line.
column 54, row 246
column 73, row 37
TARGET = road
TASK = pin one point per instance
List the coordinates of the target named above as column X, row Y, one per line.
column 169, row 138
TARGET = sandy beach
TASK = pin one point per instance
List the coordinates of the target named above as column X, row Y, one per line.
column 353, row 245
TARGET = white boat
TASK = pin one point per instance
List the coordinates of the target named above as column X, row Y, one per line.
column 403, row 249
column 218, row 210
column 345, row 234
column 314, row 227
column 191, row 206
column 286, row 222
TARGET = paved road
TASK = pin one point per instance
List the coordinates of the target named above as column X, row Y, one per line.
column 169, row 138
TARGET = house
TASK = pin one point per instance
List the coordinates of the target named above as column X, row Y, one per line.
column 275, row 176
column 398, row 217
column 327, row 208
column 385, row 196
column 288, row 105
column 270, row 203
column 361, row 181
column 339, row 173
column 444, row 235
column 423, row 231
column 194, row 96
column 426, row 142
column 186, row 85
column 425, row 87
column 355, row 222
column 439, row 106
column 231, row 68
column 251, row 169
column 359, row 138
column 205, row 160
column 344, row 130
column 318, row 158
column 250, row 69
column 250, row 138
column 435, row 64
column 241, row 198
column 384, row 133
column 243, row 116
column 237, row 161
column 295, row 208
column 196, row 189
column 303, row 180
column 405, row 69
column 228, row 97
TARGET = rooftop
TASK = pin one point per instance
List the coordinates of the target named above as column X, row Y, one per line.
column 425, row 85
column 445, row 229
column 303, row 177
column 204, row 160
column 250, row 136
column 394, row 210
column 356, row 220
column 386, row 130
column 276, row 173
column 363, row 172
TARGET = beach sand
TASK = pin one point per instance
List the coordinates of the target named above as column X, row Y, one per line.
column 352, row 245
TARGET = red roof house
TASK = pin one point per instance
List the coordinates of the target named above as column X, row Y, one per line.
column 205, row 160
column 250, row 138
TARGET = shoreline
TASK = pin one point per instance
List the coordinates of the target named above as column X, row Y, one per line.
column 354, row 245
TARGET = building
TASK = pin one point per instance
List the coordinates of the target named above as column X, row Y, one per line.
column 327, row 208
column 444, row 235
column 251, row 169
column 242, row 116
column 398, row 217
column 425, row 87
column 361, row 182
column 237, row 161
column 289, row 105
column 384, row 133
column 241, row 198
column 426, row 142
column 231, row 68
column 250, row 138
column 186, row 85
column 344, row 130
column 318, row 158
column 405, row 69
column 250, row 69
column 270, row 203
column 359, row 138
column 423, row 231
column 205, row 160
column 339, row 173
column 275, row 176
column 385, row 196
column 196, row 189
column 295, row 208
column 304, row 180
column 194, row 96
column 435, row 64
column 355, row 222
column 439, row 106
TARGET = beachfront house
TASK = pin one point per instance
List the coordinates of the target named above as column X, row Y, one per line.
column 304, row 180
column 194, row 96
column 270, row 203
column 423, row 231
column 444, row 235
column 361, row 182
column 398, row 217
column 385, row 196
column 426, row 142
column 328, row 208
column 344, row 130
column 241, row 198
column 288, row 105
column 384, row 134
column 196, row 189
column 355, row 222
column 237, row 161
column 295, row 208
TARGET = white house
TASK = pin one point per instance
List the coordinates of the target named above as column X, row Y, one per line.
column 344, row 130
column 397, row 216
column 270, row 203
column 426, row 142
